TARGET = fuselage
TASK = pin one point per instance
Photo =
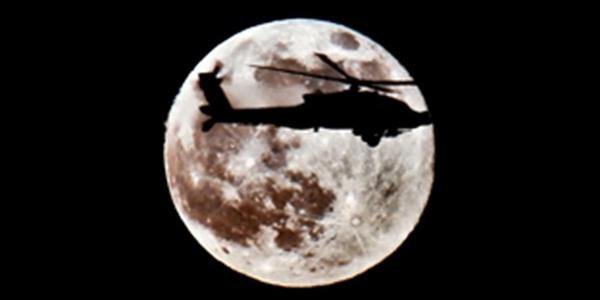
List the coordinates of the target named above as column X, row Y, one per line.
column 336, row 111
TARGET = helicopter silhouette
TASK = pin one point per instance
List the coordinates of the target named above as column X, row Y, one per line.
column 368, row 112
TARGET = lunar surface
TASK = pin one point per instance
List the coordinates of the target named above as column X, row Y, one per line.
column 289, row 207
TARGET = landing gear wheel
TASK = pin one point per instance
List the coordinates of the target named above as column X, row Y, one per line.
column 207, row 125
column 372, row 138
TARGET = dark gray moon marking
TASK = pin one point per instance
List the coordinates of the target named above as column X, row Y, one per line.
column 240, row 221
column 278, row 80
column 345, row 40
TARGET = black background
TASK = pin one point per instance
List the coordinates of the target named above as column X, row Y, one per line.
column 117, row 230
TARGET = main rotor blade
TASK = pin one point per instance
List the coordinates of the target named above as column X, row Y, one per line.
column 375, row 87
column 333, row 65
column 336, row 67
column 388, row 82
column 351, row 81
column 301, row 73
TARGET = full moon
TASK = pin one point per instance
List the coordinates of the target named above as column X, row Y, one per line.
column 289, row 207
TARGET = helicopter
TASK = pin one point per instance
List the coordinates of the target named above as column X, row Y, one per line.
column 363, row 106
